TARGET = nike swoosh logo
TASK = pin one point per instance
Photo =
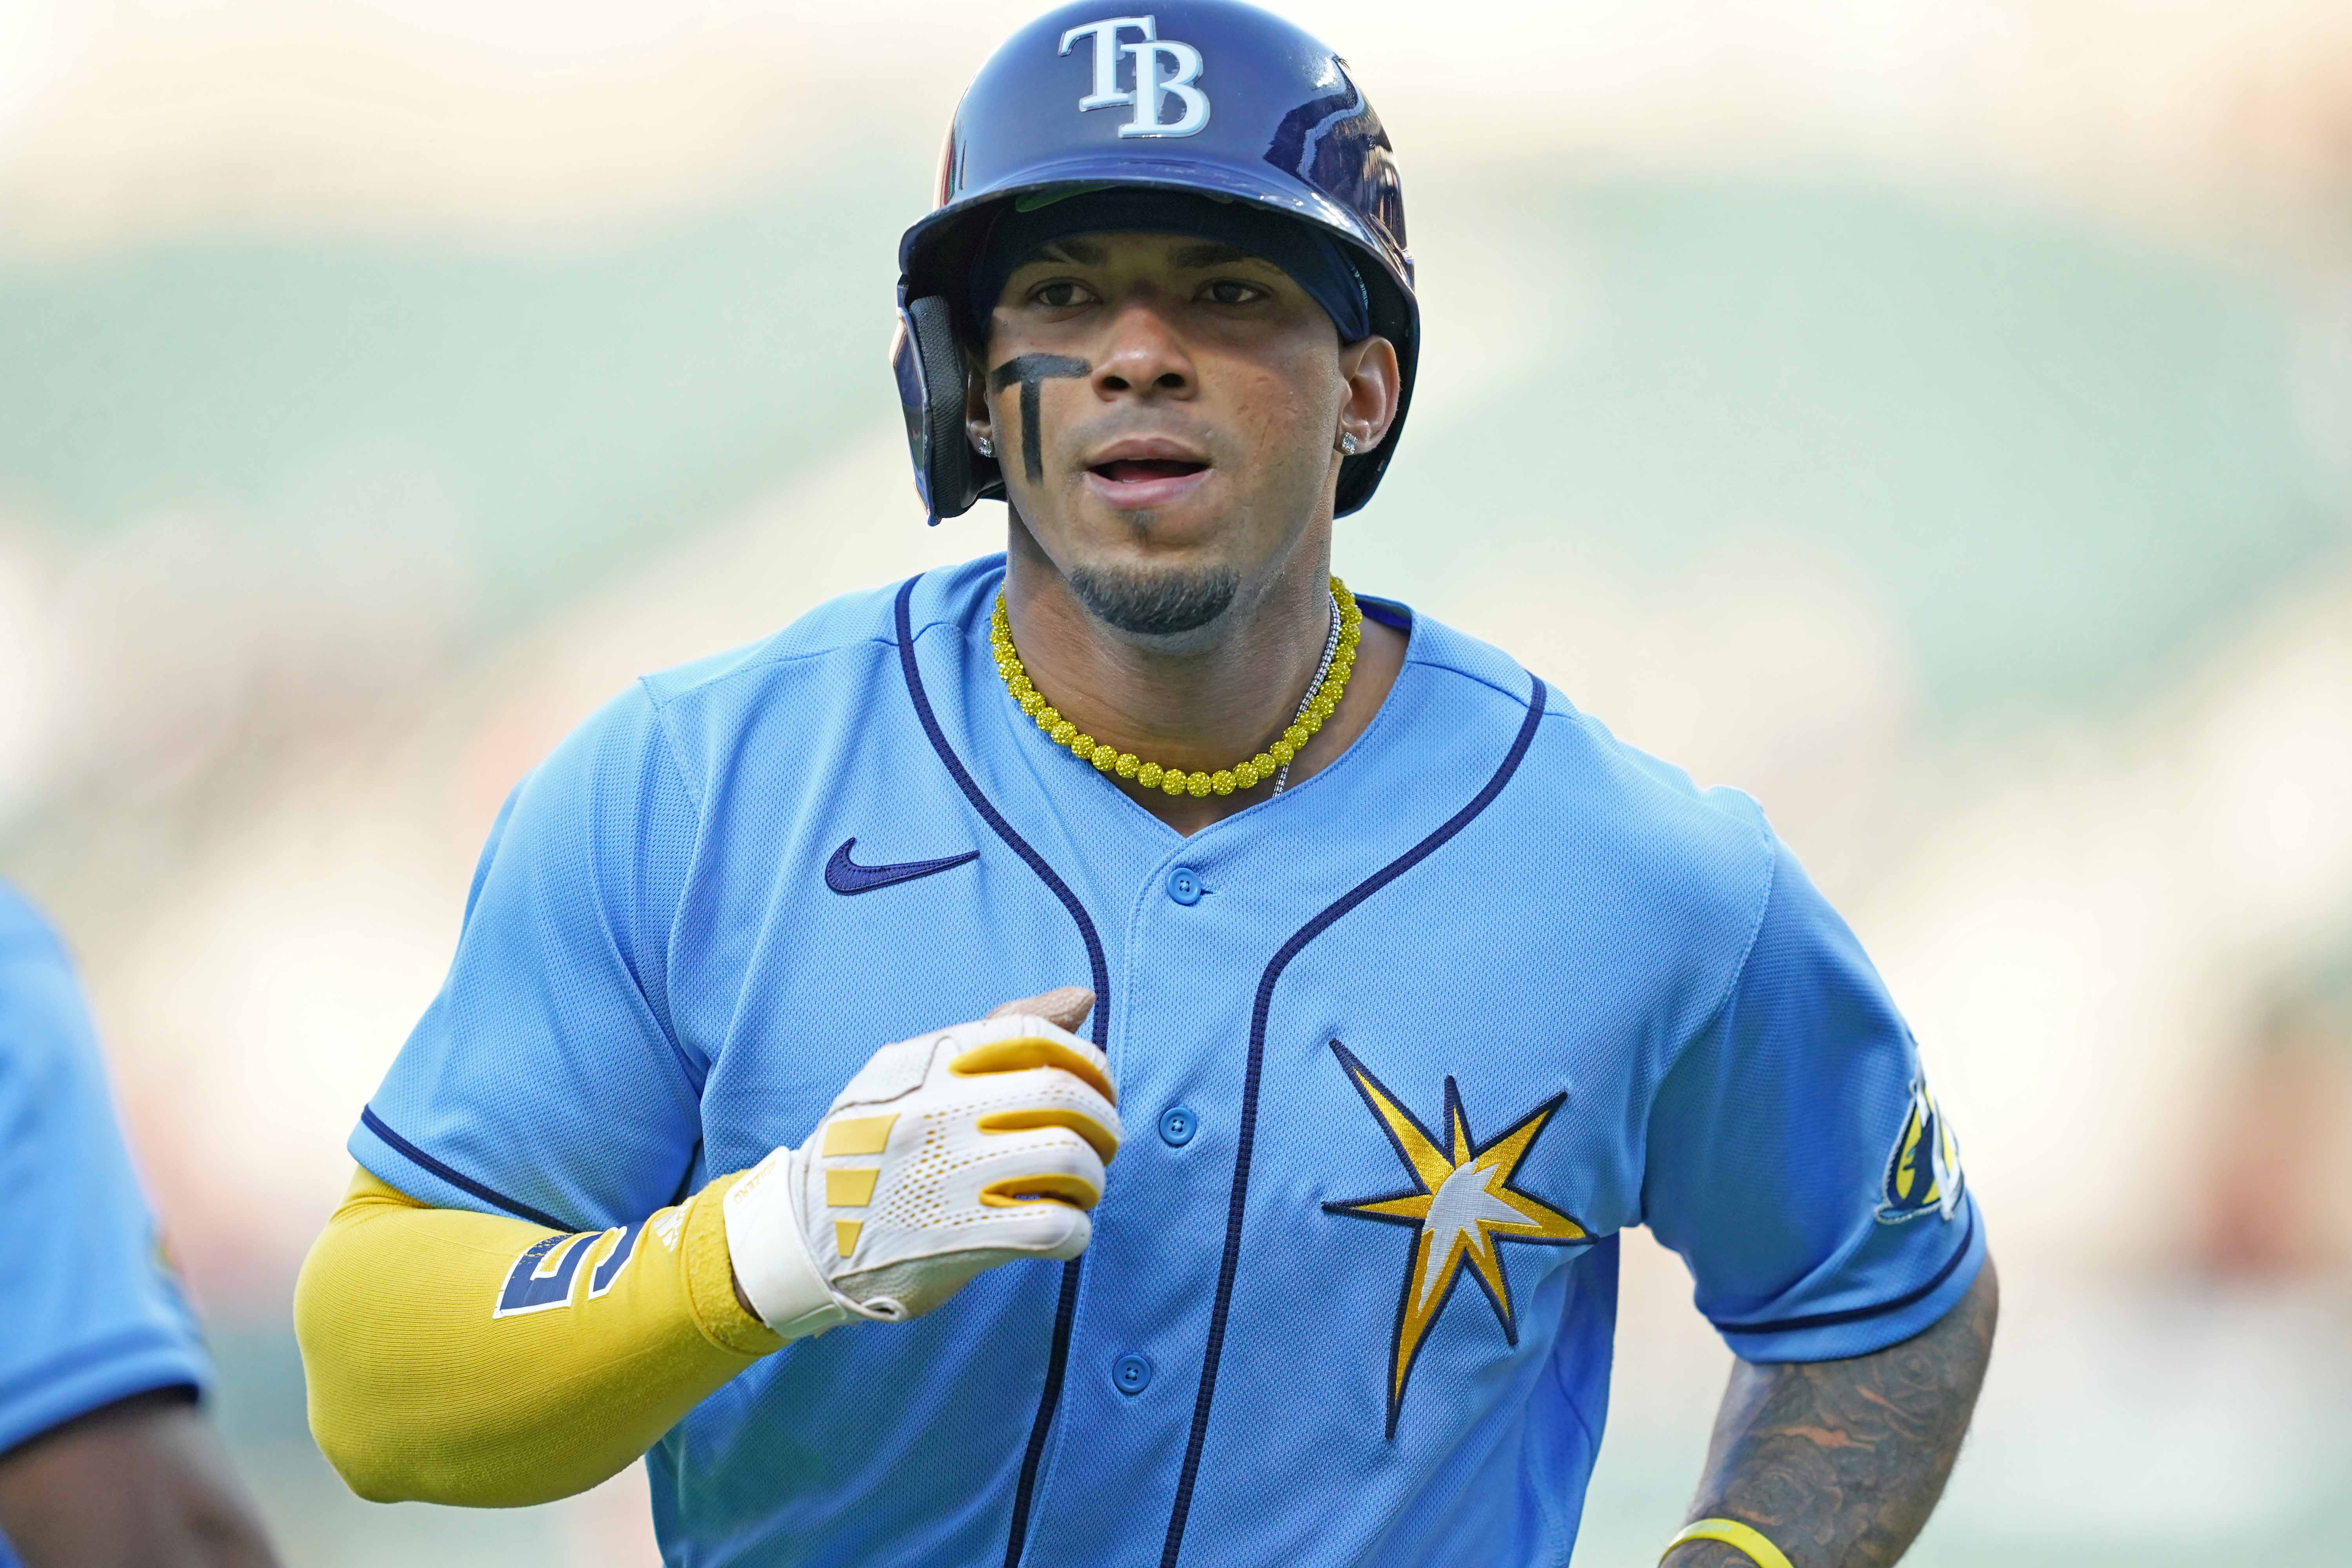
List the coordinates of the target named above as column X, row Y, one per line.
column 846, row 876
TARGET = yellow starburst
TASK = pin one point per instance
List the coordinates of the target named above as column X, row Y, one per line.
column 1462, row 1206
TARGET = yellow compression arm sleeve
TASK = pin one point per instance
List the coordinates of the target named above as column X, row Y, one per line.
column 466, row 1358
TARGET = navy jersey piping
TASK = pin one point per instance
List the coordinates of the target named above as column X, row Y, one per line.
column 455, row 1178
column 1856, row 1314
column 1240, row 1199
column 1057, row 1354
column 995, row 820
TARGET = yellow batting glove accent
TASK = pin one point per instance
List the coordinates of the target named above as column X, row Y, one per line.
column 1076, row 1058
column 851, row 1189
column 1730, row 1533
column 1014, row 1191
column 858, row 1135
column 1104, row 1141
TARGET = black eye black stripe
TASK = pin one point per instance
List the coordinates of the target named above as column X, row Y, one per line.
column 1029, row 370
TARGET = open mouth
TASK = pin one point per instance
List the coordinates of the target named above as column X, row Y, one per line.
column 1141, row 470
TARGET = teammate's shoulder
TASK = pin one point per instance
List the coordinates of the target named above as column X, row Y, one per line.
column 44, row 1027
column 23, row 926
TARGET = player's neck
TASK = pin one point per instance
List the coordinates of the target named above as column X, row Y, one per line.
column 1205, row 707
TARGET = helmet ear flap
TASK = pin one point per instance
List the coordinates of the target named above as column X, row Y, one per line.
column 930, row 368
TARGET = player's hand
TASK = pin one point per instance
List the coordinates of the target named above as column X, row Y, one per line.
column 946, row 1154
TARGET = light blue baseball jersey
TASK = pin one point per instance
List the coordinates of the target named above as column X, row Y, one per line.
column 1485, row 990
column 88, row 1313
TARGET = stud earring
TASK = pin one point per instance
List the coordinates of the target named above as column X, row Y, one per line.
column 987, row 447
column 1347, row 443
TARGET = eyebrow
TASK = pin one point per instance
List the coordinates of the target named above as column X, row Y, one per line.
column 1212, row 253
column 1077, row 251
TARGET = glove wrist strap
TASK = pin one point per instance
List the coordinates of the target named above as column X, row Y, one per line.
column 772, row 1259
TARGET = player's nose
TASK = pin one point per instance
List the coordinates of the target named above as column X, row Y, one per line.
column 1144, row 354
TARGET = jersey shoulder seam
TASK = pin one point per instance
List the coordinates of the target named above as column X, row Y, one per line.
column 1714, row 1013
column 766, row 657
column 1747, row 952
column 760, row 662
column 670, row 750
column 680, row 1059
column 1522, row 697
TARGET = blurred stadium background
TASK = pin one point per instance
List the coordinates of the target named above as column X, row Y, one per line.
column 1934, row 417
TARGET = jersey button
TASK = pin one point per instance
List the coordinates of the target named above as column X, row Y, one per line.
column 1184, row 884
column 1133, row 1373
column 1177, row 1125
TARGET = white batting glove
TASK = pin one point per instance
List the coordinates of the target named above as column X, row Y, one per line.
column 946, row 1154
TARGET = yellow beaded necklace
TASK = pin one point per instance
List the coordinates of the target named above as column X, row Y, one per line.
column 1176, row 781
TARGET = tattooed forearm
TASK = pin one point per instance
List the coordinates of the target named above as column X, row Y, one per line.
column 1029, row 370
column 1840, row 1462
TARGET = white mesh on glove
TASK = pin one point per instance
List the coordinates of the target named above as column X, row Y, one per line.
column 946, row 1154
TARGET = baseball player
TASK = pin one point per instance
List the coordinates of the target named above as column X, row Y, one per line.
column 1020, row 1065
column 104, row 1459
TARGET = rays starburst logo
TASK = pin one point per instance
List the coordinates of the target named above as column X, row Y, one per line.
column 1461, row 1207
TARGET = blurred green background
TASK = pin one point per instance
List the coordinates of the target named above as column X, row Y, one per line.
column 1937, row 422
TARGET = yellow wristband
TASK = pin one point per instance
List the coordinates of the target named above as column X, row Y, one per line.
column 1731, row 1532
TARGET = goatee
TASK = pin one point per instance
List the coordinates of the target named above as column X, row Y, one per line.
column 1161, row 603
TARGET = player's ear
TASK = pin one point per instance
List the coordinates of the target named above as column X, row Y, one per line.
column 1374, row 384
column 979, row 424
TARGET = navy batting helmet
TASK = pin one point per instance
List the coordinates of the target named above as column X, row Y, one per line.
column 1211, row 97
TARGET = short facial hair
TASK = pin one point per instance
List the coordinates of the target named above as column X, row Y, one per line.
column 1156, row 603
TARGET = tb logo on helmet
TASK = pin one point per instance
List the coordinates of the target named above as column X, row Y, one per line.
column 1151, row 87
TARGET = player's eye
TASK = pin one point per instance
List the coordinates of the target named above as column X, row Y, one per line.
column 1061, row 294
column 1231, row 292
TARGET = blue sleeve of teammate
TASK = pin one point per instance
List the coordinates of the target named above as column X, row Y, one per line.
column 1798, row 1160
column 544, row 1080
column 88, row 1313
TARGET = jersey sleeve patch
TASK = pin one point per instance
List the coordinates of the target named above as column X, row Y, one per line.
column 1923, row 1168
